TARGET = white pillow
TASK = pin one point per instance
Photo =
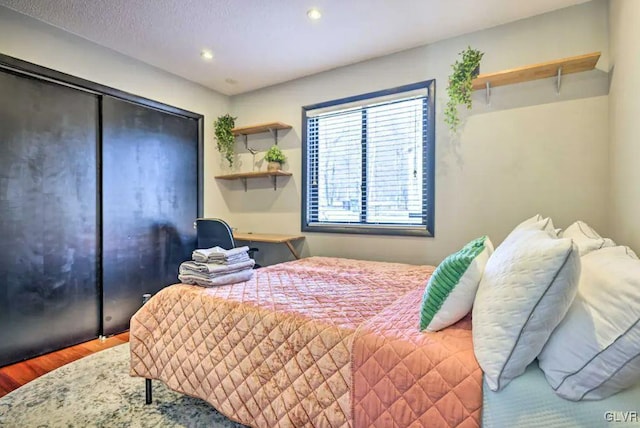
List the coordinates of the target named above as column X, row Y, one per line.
column 451, row 290
column 547, row 224
column 527, row 287
column 629, row 252
column 586, row 238
column 595, row 351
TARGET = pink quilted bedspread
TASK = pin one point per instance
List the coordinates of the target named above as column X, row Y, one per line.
column 402, row 377
column 278, row 350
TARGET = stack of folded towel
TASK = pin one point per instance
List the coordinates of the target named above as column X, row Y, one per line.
column 217, row 266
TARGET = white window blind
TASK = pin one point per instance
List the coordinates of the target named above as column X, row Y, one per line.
column 365, row 163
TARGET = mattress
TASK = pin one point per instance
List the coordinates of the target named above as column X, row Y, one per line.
column 529, row 402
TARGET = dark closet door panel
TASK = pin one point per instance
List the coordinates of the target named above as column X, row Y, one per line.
column 48, row 223
column 150, row 201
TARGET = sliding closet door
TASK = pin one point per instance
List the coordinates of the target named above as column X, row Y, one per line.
column 48, row 223
column 150, row 201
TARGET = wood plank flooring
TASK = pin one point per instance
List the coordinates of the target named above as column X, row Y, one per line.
column 15, row 375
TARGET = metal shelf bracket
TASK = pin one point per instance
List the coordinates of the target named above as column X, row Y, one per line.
column 244, row 183
column 275, row 183
column 487, row 94
column 274, row 132
column 245, row 137
column 559, row 79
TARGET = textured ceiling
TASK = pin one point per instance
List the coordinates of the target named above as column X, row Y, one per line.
column 258, row 43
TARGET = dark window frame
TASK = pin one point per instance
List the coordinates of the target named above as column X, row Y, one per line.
column 428, row 189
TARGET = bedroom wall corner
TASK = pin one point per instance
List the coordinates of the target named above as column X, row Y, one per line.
column 624, row 123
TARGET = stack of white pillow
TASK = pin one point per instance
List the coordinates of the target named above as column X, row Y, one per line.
column 570, row 299
column 595, row 351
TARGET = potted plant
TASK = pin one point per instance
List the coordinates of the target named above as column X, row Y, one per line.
column 275, row 157
column 224, row 136
column 460, row 89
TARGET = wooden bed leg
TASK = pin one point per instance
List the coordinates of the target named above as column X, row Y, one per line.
column 147, row 391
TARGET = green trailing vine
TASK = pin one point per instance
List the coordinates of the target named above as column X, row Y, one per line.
column 274, row 154
column 226, row 141
column 459, row 89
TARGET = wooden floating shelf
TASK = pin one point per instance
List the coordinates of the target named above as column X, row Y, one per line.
column 256, row 174
column 271, row 238
column 543, row 70
column 258, row 129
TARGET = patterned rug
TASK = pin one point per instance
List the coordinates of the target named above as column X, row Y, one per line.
column 97, row 391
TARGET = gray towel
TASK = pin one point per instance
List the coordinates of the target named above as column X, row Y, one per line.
column 214, row 269
column 205, row 281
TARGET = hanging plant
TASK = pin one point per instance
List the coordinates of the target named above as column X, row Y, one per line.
column 226, row 141
column 460, row 89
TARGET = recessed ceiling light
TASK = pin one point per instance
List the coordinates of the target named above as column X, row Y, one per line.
column 206, row 54
column 314, row 13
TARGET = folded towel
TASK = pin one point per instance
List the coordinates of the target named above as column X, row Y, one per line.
column 218, row 254
column 231, row 260
column 205, row 281
column 214, row 269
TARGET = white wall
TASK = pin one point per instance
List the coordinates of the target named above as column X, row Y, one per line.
column 624, row 117
column 530, row 151
column 31, row 40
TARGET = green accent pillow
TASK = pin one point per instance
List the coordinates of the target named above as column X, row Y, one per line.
column 451, row 290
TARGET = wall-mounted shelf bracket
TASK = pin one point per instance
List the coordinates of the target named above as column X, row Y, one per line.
column 243, row 176
column 556, row 69
column 558, row 80
column 274, row 132
column 245, row 139
column 488, row 93
column 271, row 127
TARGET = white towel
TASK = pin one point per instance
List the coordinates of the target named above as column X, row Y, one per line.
column 218, row 254
column 214, row 269
column 205, row 281
column 240, row 258
column 231, row 260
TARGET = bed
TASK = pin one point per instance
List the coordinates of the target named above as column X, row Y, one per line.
column 529, row 402
column 314, row 342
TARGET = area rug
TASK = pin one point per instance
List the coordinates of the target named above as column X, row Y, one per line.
column 97, row 391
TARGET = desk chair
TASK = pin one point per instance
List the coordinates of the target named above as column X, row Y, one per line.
column 213, row 232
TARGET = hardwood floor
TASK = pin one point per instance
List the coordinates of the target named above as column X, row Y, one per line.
column 15, row 375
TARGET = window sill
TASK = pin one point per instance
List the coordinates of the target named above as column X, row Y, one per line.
column 388, row 230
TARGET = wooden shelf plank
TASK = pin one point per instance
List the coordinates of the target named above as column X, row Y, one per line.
column 537, row 71
column 258, row 129
column 255, row 174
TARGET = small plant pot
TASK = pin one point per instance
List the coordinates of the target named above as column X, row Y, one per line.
column 274, row 166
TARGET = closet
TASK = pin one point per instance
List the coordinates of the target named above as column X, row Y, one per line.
column 99, row 190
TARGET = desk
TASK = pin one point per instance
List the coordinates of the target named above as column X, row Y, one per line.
column 270, row 238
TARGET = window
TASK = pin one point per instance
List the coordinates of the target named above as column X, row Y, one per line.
column 368, row 163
